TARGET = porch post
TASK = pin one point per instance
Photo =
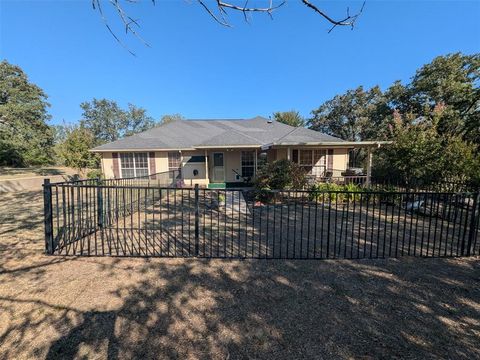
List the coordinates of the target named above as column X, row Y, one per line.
column 206, row 167
column 288, row 154
column 256, row 161
column 369, row 166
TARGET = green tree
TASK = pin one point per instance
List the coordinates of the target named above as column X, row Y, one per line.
column 448, row 89
column 443, row 95
column 292, row 118
column 354, row 116
column 25, row 137
column 419, row 155
column 75, row 150
column 451, row 83
column 172, row 117
column 109, row 122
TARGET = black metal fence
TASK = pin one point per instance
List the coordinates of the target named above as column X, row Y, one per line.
column 114, row 218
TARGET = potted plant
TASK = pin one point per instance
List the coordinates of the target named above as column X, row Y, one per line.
column 221, row 199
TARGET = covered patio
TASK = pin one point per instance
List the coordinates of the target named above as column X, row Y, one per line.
column 223, row 167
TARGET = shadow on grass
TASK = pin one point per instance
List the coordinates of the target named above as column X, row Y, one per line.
column 38, row 171
column 413, row 308
column 188, row 308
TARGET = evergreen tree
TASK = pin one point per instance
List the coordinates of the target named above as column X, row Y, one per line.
column 25, row 137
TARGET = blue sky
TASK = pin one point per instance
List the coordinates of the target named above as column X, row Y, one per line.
column 203, row 70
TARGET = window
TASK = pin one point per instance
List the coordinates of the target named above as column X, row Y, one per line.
column 319, row 162
column 248, row 163
column 174, row 160
column 312, row 161
column 306, row 160
column 134, row 164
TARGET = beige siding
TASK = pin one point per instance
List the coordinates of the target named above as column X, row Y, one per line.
column 107, row 165
column 281, row 154
column 340, row 160
column 232, row 161
column 161, row 161
column 187, row 170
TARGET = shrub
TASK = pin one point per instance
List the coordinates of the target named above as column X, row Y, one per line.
column 317, row 191
column 94, row 174
column 278, row 175
column 335, row 192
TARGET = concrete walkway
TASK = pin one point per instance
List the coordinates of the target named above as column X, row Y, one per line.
column 234, row 201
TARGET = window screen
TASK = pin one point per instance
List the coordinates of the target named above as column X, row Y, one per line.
column 248, row 163
column 134, row 164
column 174, row 160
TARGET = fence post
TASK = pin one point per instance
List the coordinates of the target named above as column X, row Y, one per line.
column 99, row 204
column 473, row 221
column 197, row 221
column 48, row 216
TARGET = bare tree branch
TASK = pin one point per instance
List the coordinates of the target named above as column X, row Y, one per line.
column 131, row 24
column 220, row 21
column 348, row 21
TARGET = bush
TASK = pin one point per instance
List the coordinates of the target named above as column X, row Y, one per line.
column 94, row 174
column 278, row 175
column 335, row 193
column 420, row 156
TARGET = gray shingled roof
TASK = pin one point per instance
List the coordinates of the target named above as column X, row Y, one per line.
column 188, row 134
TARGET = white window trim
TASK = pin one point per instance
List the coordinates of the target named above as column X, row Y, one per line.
column 180, row 164
column 134, row 163
column 253, row 165
column 312, row 165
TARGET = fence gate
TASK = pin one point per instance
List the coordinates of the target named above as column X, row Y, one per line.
column 120, row 218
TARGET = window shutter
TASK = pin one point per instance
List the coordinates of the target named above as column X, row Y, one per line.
column 330, row 160
column 153, row 170
column 116, row 168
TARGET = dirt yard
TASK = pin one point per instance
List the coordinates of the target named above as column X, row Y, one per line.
column 9, row 173
column 66, row 307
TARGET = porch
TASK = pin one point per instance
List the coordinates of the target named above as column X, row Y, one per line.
column 237, row 167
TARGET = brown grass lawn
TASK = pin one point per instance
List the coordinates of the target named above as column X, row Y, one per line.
column 9, row 173
column 66, row 307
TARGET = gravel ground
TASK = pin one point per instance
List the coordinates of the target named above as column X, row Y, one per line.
column 68, row 307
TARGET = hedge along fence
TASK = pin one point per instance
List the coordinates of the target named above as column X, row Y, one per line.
column 95, row 218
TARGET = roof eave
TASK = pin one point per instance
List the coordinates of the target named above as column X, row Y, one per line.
column 227, row 146
column 341, row 144
column 138, row 150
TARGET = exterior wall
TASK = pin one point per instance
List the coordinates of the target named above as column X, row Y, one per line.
column 107, row 165
column 187, row 170
column 340, row 161
column 340, row 156
column 271, row 155
column 281, row 154
column 232, row 161
column 161, row 161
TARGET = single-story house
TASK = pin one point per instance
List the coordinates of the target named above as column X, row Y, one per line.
column 225, row 151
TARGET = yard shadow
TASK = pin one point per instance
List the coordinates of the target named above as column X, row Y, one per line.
column 38, row 171
column 66, row 307
column 286, row 309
